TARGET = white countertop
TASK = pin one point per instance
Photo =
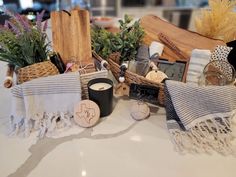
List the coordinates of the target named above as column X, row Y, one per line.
column 117, row 147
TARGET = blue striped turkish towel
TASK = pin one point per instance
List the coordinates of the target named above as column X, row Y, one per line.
column 44, row 103
column 199, row 118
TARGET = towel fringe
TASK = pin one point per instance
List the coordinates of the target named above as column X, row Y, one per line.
column 208, row 135
column 45, row 124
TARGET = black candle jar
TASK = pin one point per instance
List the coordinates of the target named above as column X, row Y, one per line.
column 100, row 91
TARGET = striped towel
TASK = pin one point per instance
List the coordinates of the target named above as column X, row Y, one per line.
column 199, row 118
column 199, row 59
column 45, row 104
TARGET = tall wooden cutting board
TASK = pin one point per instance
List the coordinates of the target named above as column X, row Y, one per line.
column 71, row 35
column 185, row 40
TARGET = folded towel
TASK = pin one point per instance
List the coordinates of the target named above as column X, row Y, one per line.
column 199, row 118
column 199, row 59
column 45, row 104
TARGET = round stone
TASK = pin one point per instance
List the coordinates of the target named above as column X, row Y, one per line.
column 140, row 111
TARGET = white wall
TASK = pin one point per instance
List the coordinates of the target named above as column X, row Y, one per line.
column 26, row 4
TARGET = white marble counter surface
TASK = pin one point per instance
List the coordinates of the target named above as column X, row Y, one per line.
column 117, row 147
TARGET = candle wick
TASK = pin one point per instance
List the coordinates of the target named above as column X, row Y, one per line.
column 102, row 88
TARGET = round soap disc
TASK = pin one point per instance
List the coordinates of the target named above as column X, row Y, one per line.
column 86, row 113
column 156, row 76
column 140, row 111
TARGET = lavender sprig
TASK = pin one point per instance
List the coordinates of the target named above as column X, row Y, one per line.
column 12, row 27
column 45, row 26
column 24, row 22
column 6, row 26
column 39, row 19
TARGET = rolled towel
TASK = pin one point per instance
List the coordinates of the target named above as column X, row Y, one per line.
column 143, row 53
column 156, row 48
column 142, row 60
column 199, row 59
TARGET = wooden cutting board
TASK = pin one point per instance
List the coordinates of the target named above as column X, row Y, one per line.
column 185, row 40
column 71, row 35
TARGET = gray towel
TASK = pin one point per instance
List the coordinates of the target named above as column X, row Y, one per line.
column 199, row 118
column 143, row 53
column 142, row 60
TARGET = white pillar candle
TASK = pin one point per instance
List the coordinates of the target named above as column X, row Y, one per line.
column 100, row 86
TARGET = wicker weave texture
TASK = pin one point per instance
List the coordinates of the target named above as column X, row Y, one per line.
column 36, row 70
column 85, row 78
column 131, row 77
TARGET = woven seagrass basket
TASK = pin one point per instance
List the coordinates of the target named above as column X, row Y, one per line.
column 131, row 77
column 42, row 69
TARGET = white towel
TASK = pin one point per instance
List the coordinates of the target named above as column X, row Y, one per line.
column 45, row 104
column 199, row 59
column 156, row 48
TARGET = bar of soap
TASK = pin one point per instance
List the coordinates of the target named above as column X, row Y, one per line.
column 86, row 113
column 140, row 111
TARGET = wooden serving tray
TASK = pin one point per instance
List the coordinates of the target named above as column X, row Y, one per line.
column 185, row 40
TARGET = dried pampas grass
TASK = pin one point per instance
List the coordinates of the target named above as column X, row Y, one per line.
column 219, row 21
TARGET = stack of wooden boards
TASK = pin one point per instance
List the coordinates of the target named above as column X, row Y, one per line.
column 71, row 35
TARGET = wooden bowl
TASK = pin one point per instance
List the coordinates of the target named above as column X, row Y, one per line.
column 104, row 22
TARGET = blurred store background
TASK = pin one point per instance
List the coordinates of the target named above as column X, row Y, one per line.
column 178, row 12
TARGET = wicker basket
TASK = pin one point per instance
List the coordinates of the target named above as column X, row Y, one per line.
column 36, row 70
column 131, row 77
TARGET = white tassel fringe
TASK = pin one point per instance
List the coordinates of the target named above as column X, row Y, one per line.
column 206, row 136
column 46, row 124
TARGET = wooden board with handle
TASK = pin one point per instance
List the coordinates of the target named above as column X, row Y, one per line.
column 71, row 35
column 185, row 40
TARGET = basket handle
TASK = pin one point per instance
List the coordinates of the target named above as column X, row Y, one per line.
column 8, row 82
column 102, row 62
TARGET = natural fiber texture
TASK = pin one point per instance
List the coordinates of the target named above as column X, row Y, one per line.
column 131, row 77
column 219, row 21
column 45, row 104
column 85, row 78
column 37, row 70
column 199, row 118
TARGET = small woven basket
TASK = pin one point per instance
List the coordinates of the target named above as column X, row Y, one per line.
column 131, row 77
column 42, row 69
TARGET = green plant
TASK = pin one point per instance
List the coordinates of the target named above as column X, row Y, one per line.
column 22, row 42
column 126, row 42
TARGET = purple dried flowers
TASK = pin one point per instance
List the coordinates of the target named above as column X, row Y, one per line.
column 8, row 24
column 23, row 43
column 39, row 19
column 24, row 22
column 45, row 26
